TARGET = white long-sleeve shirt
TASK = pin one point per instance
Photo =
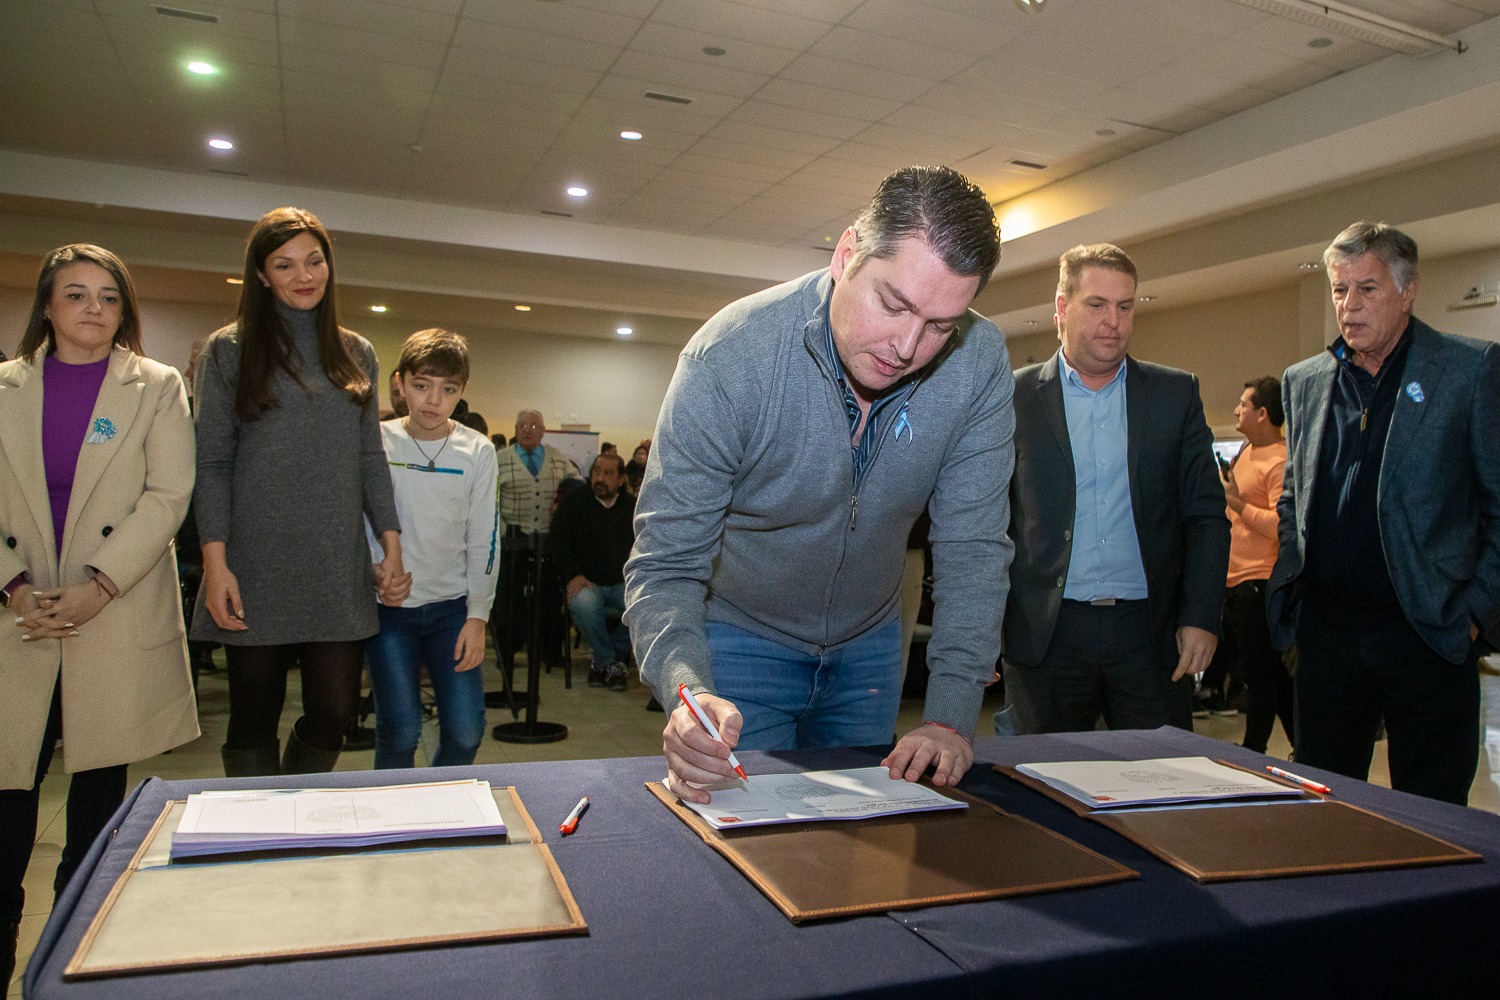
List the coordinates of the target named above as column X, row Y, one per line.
column 449, row 538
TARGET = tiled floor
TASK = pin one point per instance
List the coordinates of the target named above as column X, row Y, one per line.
column 601, row 723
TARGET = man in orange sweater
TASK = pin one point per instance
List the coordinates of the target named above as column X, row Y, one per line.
column 1252, row 485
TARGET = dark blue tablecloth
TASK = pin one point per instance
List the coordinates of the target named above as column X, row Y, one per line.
column 668, row 917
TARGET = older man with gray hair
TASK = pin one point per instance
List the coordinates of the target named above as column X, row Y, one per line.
column 805, row 429
column 1388, row 574
column 526, row 483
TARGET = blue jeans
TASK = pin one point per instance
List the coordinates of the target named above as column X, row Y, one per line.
column 410, row 638
column 848, row 696
column 588, row 610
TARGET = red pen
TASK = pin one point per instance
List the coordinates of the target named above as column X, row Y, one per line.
column 697, row 710
column 1307, row 783
column 571, row 823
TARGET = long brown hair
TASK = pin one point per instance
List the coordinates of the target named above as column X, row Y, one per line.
column 265, row 344
column 38, row 335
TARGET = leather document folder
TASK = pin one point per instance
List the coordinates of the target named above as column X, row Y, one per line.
column 847, row 867
column 162, row 916
column 1222, row 842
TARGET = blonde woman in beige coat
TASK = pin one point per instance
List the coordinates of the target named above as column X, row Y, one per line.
column 96, row 469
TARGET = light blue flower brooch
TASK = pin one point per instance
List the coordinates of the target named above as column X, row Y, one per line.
column 103, row 430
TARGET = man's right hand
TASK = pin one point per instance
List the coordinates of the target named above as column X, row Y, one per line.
column 576, row 585
column 694, row 756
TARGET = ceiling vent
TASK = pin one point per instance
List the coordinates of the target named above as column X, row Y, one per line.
column 1028, row 164
column 668, row 98
column 187, row 15
column 560, row 215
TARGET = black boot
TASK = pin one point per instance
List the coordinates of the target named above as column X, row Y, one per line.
column 252, row 761
column 300, row 758
column 10, row 939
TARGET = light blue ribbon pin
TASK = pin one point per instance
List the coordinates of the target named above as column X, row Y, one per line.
column 103, row 430
column 1414, row 390
column 902, row 424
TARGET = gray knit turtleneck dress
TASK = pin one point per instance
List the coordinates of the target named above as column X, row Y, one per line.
column 288, row 494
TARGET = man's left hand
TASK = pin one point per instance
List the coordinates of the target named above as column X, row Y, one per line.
column 949, row 754
column 1195, row 650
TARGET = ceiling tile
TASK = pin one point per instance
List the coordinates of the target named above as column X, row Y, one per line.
column 372, row 16
column 679, row 75
column 670, row 40
column 831, row 11
column 630, row 94
column 368, row 45
column 921, row 147
column 729, row 20
column 403, row 88
column 761, row 135
column 500, row 42
column 825, row 100
column 587, row 25
column 790, row 159
column 836, row 75
column 714, row 166
column 985, row 29
column 831, row 126
column 865, row 48
column 352, row 67
column 518, row 69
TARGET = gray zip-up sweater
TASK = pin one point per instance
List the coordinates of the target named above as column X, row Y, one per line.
column 749, row 515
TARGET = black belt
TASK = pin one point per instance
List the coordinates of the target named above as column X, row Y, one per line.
column 1106, row 602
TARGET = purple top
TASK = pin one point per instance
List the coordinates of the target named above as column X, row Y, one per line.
column 68, row 396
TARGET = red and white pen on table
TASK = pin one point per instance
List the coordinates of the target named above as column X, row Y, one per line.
column 1307, row 783
column 702, row 717
column 571, row 823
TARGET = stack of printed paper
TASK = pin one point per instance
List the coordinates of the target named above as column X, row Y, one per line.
column 290, row 818
column 1111, row 784
column 855, row 793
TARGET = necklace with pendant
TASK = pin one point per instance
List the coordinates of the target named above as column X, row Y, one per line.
column 431, row 459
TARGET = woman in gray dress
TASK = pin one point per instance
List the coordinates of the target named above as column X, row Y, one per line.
column 290, row 463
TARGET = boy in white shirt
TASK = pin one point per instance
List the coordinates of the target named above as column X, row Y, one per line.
column 444, row 478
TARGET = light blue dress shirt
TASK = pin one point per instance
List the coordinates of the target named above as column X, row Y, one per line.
column 1106, row 560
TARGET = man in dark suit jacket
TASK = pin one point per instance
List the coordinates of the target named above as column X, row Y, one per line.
column 1117, row 514
column 1388, row 574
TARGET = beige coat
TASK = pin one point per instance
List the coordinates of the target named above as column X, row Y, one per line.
column 126, row 690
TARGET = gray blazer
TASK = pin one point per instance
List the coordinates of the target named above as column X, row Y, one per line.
column 1175, row 495
column 1438, row 497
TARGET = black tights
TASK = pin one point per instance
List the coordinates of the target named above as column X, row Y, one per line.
column 93, row 797
column 257, row 692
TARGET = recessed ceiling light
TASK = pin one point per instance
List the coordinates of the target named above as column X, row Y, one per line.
column 631, row 134
column 202, row 68
column 578, row 192
column 523, row 309
column 624, row 331
column 377, row 309
column 1310, row 265
column 235, row 281
column 1320, row 43
column 1145, row 298
column 221, row 144
column 1031, row 322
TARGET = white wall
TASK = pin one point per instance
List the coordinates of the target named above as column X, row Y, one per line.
column 1445, row 281
column 615, row 386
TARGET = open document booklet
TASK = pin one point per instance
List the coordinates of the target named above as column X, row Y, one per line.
column 856, row 793
column 1112, row 784
column 277, row 819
